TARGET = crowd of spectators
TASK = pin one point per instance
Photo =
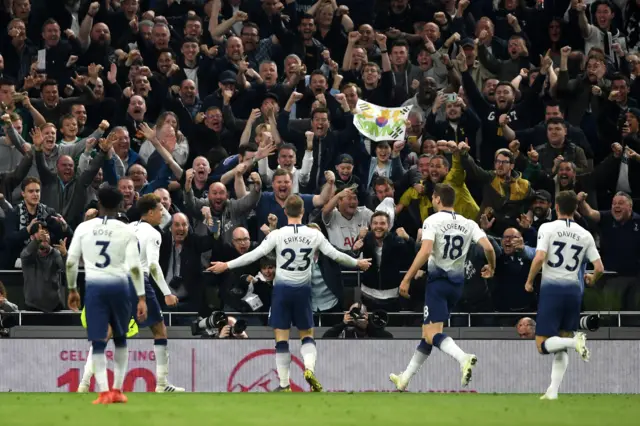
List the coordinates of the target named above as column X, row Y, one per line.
column 223, row 108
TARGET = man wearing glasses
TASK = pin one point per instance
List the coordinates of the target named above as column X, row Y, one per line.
column 506, row 195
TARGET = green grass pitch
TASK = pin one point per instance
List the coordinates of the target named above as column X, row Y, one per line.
column 362, row 409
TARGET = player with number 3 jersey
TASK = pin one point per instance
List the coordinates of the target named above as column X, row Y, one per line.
column 562, row 249
column 295, row 246
column 109, row 250
column 446, row 238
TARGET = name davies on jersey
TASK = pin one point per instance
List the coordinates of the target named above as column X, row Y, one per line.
column 455, row 226
column 569, row 234
column 297, row 239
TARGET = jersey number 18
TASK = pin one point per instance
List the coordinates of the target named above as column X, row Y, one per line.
column 452, row 247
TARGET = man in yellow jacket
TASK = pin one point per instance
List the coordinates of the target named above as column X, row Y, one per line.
column 506, row 195
column 437, row 169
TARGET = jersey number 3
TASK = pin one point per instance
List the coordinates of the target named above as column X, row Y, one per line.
column 559, row 254
column 290, row 256
column 103, row 253
column 452, row 247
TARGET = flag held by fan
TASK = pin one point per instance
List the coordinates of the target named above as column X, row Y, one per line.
column 380, row 123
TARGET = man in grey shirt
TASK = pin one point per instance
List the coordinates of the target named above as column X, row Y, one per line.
column 42, row 264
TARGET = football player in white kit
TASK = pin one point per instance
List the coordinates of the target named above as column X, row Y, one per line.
column 109, row 250
column 295, row 246
column 149, row 240
column 562, row 249
column 446, row 238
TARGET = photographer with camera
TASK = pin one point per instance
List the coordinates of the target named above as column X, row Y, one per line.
column 359, row 324
column 219, row 326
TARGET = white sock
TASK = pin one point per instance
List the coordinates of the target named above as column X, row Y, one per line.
column 88, row 369
column 416, row 362
column 283, row 362
column 162, row 364
column 557, row 344
column 309, row 354
column 121, row 359
column 449, row 347
column 100, row 371
column 559, row 367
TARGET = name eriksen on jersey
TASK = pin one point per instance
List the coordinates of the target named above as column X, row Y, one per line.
column 297, row 239
column 569, row 235
column 456, row 226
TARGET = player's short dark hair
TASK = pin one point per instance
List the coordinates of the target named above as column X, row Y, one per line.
column 29, row 180
column 146, row 203
column 446, row 193
column 109, row 197
column 294, row 206
column 567, row 202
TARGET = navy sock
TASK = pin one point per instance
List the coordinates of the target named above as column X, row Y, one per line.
column 282, row 346
column 120, row 342
column 98, row 346
column 544, row 349
column 424, row 347
column 438, row 339
column 308, row 339
column 160, row 342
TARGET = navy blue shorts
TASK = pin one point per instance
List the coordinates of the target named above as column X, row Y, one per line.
column 558, row 310
column 291, row 305
column 441, row 296
column 107, row 304
column 154, row 312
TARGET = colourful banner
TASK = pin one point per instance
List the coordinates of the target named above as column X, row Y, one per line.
column 380, row 123
column 202, row 365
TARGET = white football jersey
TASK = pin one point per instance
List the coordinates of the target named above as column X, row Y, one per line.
column 295, row 247
column 149, row 240
column 567, row 244
column 108, row 248
column 452, row 235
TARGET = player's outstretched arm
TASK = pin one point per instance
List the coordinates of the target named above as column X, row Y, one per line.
column 332, row 253
column 266, row 247
column 153, row 257
column 421, row 258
